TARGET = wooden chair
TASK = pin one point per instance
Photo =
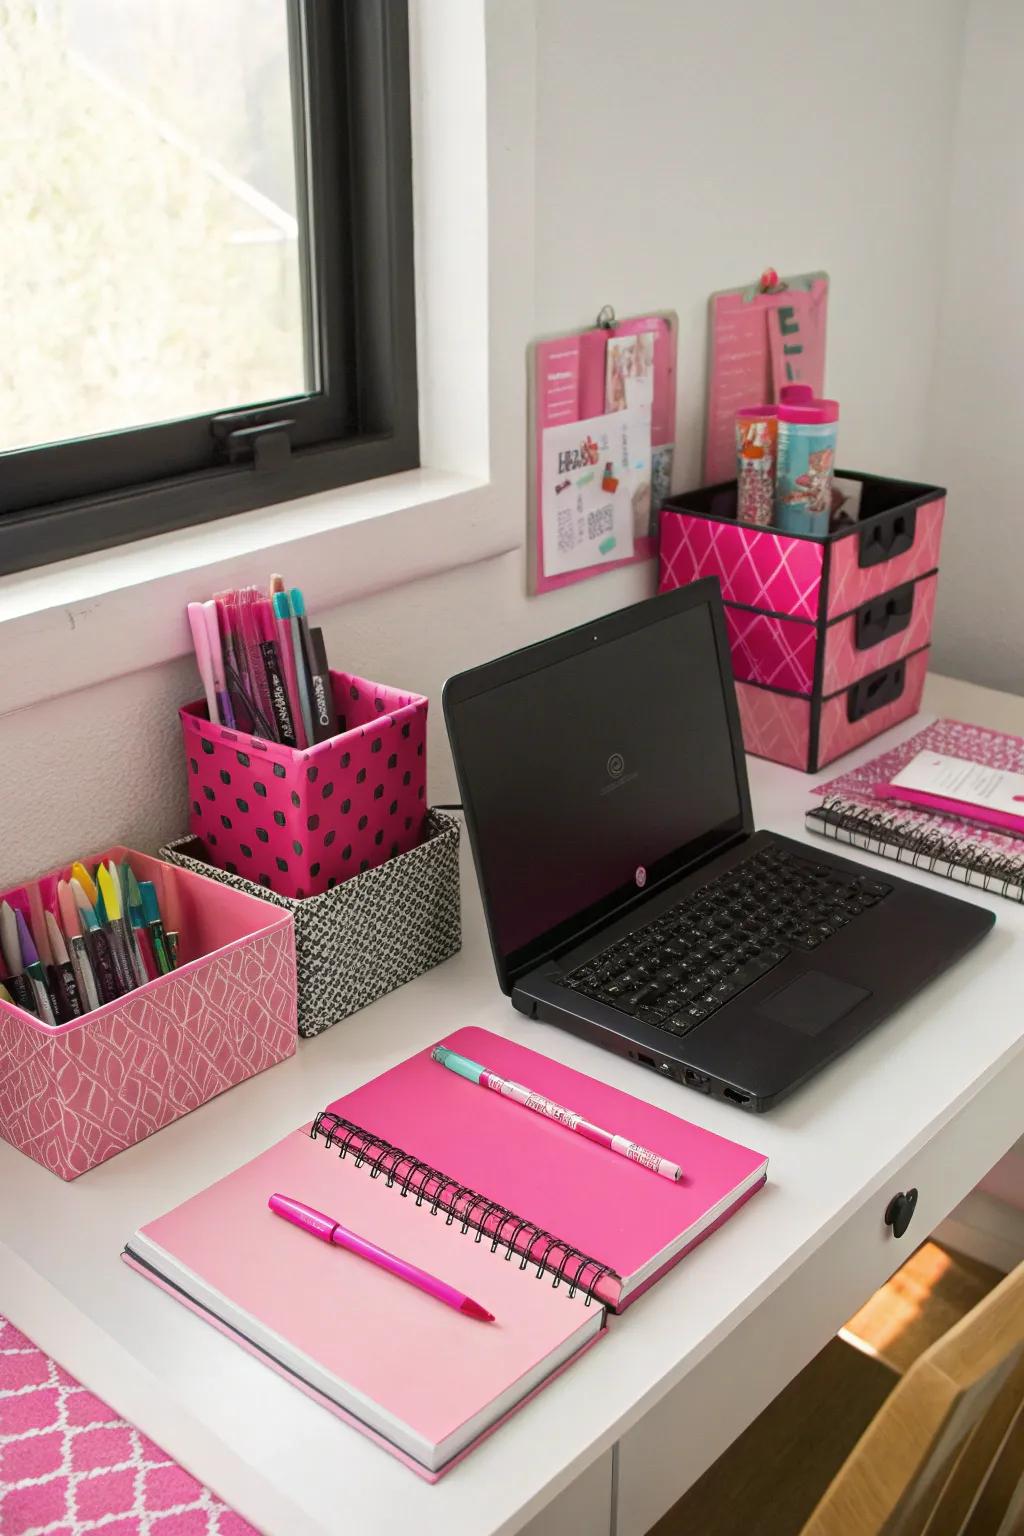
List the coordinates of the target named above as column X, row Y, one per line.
column 944, row 1455
column 908, row 1424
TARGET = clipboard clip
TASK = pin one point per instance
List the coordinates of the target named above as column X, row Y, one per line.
column 771, row 282
column 605, row 318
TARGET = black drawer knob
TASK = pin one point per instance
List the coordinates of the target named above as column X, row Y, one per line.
column 900, row 1210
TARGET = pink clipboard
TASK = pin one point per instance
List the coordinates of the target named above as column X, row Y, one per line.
column 759, row 341
column 567, row 382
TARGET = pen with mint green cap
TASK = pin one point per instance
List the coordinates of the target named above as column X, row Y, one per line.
column 154, row 922
column 321, row 725
column 475, row 1072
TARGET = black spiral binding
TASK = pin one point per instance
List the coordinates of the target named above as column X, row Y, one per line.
column 924, row 847
column 488, row 1218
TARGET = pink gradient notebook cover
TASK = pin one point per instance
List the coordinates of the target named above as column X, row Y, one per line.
column 606, row 1207
column 419, row 1378
column 415, row 1372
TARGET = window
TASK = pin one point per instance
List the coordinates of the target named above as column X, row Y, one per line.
column 207, row 286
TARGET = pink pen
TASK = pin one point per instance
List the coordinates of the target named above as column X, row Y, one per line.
column 331, row 1231
column 475, row 1073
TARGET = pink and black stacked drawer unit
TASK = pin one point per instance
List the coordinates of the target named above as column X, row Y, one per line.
column 829, row 636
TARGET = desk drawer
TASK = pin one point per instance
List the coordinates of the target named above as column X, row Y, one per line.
column 688, row 1428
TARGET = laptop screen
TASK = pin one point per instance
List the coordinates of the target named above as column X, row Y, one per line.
column 615, row 760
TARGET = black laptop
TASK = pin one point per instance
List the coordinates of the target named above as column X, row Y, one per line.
column 629, row 898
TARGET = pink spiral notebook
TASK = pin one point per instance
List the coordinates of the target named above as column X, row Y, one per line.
column 476, row 1190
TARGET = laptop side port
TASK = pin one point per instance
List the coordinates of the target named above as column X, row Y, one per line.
column 698, row 1080
column 735, row 1096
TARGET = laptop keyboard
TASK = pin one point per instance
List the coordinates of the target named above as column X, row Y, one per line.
column 679, row 969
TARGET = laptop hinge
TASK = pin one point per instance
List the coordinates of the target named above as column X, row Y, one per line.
column 639, row 900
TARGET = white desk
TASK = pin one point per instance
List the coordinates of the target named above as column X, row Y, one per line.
column 932, row 1099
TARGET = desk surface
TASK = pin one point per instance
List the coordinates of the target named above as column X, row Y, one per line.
column 289, row 1465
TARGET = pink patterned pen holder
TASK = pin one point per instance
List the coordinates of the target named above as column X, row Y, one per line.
column 301, row 822
column 829, row 636
column 72, row 1095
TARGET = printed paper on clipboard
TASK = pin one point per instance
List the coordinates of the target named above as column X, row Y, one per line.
column 758, row 342
column 591, row 471
column 624, row 367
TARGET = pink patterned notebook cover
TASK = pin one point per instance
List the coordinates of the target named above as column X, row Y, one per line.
column 602, row 1204
column 954, row 738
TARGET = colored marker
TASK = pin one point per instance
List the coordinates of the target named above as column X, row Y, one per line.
column 98, row 945
column 201, row 644
column 297, row 609
column 286, row 651
column 72, row 923
column 18, row 983
column 125, row 878
column 86, row 881
column 541, row 1105
column 110, row 893
column 62, row 974
column 137, row 919
column 33, row 970
column 5, row 996
column 220, row 687
column 325, row 718
column 274, row 670
column 323, row 723
column 154, row 923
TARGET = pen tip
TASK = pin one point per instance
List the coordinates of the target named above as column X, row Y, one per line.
column 474, row 1309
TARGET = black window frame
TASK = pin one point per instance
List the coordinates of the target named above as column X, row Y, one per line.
column 350, row 91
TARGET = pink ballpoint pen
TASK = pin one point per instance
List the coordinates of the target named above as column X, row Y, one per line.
column 331, row 1231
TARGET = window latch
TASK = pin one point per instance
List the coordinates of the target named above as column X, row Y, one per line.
column 241, row 439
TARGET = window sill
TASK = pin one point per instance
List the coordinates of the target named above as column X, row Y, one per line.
column 126, row 607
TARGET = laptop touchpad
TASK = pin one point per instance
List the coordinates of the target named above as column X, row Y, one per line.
column 812, row 1002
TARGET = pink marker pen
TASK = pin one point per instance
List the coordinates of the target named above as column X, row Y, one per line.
column 277, row 686
column 475, row 1073
column 331, row 1231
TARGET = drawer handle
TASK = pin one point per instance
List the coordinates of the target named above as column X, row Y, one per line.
column 883, row 618
column 900, row 1210
column 874, row 692
column 888, row 537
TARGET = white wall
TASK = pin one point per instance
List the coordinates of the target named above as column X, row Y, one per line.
column 978, row 397
column 679, row 148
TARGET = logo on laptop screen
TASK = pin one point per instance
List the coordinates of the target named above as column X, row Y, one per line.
column 641, row 876
column 618, row 778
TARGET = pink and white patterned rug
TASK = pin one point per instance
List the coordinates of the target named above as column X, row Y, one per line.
column 70, row 1466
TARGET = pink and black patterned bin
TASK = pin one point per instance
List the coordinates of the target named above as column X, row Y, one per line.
column 829, row 637
column 300, row 822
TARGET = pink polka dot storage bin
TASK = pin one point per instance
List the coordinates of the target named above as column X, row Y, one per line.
column 829, row 637
column 301, row 822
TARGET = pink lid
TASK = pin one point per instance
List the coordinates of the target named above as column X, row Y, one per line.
column 813, row 412
column 796, row 394
column 757, row 410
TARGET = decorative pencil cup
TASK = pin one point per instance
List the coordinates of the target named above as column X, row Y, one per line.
column 72, row 1095
column 371, row 933
column 301, row 822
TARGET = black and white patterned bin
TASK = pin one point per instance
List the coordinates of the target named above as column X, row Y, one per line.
column 370, row 934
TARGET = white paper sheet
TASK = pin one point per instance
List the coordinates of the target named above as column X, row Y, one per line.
column 595, row 489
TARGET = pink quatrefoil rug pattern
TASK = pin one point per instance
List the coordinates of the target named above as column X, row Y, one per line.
column 70, row 1466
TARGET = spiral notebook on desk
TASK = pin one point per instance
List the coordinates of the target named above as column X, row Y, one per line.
column 544, row 1228
column 948, row 845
